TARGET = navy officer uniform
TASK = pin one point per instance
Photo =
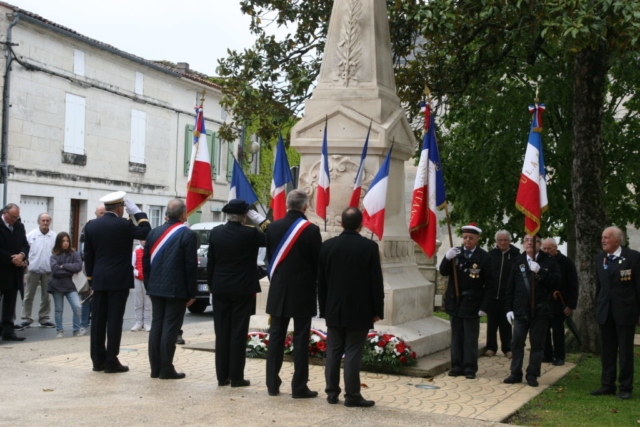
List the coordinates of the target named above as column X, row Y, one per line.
column 476, row 286
column 107, row 253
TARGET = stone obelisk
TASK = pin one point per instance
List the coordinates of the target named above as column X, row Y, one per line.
column 356, row 89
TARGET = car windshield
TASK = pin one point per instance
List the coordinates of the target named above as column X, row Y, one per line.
column 203, row 236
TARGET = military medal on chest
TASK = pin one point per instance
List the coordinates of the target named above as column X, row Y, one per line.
column 625, row 275
column 474, row 271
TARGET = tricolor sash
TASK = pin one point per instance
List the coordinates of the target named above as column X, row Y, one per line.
column 286, row 244
column 166, row 237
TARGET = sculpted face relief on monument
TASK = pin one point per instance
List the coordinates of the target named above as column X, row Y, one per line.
column 350, row 46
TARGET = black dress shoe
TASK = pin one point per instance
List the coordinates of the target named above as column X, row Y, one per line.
column 180, row 340
column 332, row 400
column 13, row 338
column 274, row 392
column 470, row 376
column 172, row 376
column 512, row 379
column 307, row 394
column 240, row 383
column 116, row 369
column 98, row 368
column 624, row 395
column 359, row 403
column 558, row 362
column 547, row 360
column 603, row 391
column 155, row 374
column 454, row 373
column 532, row 381
column 224, row 383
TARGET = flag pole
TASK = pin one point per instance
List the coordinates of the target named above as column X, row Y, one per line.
column 326, row 121
column 259, row 202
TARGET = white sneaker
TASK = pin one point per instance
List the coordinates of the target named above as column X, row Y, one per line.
column 80, row 332
column 147, row 327
column 137, row 327
column 60, row 334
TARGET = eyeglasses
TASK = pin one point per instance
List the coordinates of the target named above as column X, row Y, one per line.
column 530, row 240
column 14, row 216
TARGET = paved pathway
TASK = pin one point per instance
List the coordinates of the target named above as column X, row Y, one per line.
column 485, row 398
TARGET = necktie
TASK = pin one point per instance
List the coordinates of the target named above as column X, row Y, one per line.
column 611, row 258
column 467, row 253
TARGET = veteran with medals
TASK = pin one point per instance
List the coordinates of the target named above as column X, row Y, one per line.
column 467, row 300
column 107, row 254
column 617, row 310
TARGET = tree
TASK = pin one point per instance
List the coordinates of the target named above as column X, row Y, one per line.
column 482, row 57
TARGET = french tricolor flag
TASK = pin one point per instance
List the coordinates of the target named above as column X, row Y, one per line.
column 357, row 186
column 428, row 190
column 281, row 176
column 532, row 193
column 324, row 180
column 376, row 198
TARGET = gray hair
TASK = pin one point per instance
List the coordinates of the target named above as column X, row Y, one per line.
column 617, row 232
column 503, row 233
column 552, row 241
column 43, row 213
column 9, row 206
column 236, row 217
column 296, row 200
column 175, row 209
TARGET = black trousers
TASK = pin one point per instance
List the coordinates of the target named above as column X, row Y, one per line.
column 617, row 341
column 497, row 323
column 9, row 298
column 537, row 331
column 106, row 327
column 275, row 352
column 464, row 344
column 231, row 316
column 554, row 342
column 166, row 321
column 350, row 342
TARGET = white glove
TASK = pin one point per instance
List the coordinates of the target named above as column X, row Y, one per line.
column 132, row 209
column 451, row 253
column 135, row 272
column 481, row 313
column 510, row 317
column 255, row 217
column 534, row 266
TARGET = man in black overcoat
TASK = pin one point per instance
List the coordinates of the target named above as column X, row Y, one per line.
column 617, row 310
column 233, row 281
column 351, row 296
column 476, row 290
column 554, row 351
column 171, row 282
column 292, row 295
column 14, row 251
column 534, row 276
column 107, row 255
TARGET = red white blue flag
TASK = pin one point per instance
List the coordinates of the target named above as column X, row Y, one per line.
column 281, row 176
column 240, row 186
column 199, row 183
column 357, row 185
column 428, row 189
column 324, row 180
column 375, row 200
column 532, row 193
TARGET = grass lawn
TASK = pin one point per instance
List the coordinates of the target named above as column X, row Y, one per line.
column 568, row 403
column 445, row 316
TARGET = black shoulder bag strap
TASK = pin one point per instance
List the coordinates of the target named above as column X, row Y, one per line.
column 523, row 270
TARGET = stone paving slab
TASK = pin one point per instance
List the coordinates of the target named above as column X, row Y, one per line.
column 485, row 398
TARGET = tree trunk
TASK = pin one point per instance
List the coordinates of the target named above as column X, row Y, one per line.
column 571, row 240
column 589, row 80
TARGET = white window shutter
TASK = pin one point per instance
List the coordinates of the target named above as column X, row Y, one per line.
column 78, row 62
column 138, row 135
column 139, row 85
column 74, row 124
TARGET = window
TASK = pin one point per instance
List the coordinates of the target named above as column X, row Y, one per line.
column 78, row 62
column 211, row 144
column 138, row 135
column 156, row 216
column 229, row 160
column 139, row 85
column 223, row 113
column 74, row 124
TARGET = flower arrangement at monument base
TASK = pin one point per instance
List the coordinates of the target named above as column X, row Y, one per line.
column 382, row 352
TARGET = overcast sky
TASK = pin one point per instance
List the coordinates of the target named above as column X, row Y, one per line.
column 195, row 31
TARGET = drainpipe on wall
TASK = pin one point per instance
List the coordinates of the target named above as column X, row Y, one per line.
column 5, row 107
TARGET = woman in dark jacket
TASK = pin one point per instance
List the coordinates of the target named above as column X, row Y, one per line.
column 65, row 262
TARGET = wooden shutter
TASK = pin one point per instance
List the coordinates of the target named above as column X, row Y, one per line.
column 74, row 124
column 138, row 136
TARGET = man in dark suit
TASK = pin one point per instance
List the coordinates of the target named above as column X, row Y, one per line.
column 107, row 255
column 534, row 277
column 554, row 351
column 617, row 310
column 476, row 290
column 14, row 251
column 169, row 265
column 233, row 282
column 351, row 296
column 292, row 293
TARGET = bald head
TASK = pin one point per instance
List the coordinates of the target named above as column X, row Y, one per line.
column 176, row 209
column 612, row 239
column 550, row 246
column 100, row 210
